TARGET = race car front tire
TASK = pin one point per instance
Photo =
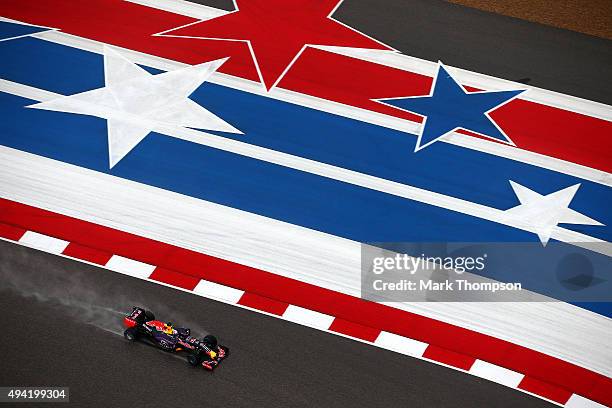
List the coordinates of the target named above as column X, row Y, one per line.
column 130, row 334
column 194, row 359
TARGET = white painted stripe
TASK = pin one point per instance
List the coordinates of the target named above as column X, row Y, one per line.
column 8, row 20
column 285, row 249
column 308, row 317
column 219, row 292
column 130, row 267
column 26, row 91
column 352, row 112
column 496, row 373
column 185, row 8
column 401, row 344
column 577, row 401
column 43, row 242
column 376, row 183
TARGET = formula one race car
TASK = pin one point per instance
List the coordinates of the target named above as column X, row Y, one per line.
column 141, row 325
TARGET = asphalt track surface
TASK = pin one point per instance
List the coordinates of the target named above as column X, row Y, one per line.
column 505, row 47
column 60, row 337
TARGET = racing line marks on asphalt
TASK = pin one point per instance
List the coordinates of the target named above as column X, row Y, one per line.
column 310, row 318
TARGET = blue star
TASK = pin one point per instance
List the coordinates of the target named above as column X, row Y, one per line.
column 449, row 107
column 10, row 31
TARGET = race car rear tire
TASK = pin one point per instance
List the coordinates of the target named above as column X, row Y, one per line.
column 194, row 359
column 149, row 315
column 130, row 334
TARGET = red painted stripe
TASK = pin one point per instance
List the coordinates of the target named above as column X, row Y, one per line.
column 543, row 129
column 545, row 390
column 535, row 364
column 131, row 26
column 11, row 232
column 532, row 126
column 263, row 303
column 449, row 357
column 87, row 253
column 174, row 278
column 354, row 329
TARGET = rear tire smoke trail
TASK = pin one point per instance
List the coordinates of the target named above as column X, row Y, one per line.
column 75, row 291
column 67, row 291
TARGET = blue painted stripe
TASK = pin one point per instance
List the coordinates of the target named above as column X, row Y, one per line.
column 52, row 67
column 241, row 182
column 251, row 185
column 11, row 30
column 328, row 138
column 385, row 153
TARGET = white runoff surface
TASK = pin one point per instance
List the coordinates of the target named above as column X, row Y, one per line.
column 555, row 328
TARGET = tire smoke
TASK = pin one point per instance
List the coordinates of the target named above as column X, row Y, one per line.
column 79, row 291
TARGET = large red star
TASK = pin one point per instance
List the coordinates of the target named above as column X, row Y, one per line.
column 277, row 31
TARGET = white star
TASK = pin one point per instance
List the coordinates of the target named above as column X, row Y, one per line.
column 545, row 212
column 135, row 102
